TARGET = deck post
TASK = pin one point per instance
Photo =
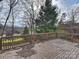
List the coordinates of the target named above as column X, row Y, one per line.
column 56, row 35
column 0, row 43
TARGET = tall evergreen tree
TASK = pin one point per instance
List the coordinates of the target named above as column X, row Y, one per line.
column 47, row 18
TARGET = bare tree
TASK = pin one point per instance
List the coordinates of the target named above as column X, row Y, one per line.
column 31, row 13
column 12, row 4
column 63, row 17
column 73, row 13
column 13, row 21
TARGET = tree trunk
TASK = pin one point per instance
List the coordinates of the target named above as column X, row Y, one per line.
column 4, row 29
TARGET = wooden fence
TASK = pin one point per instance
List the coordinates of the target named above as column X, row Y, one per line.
column 15, row 41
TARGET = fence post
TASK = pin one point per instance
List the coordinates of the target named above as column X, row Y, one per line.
column 56, row 35
column 0, row 43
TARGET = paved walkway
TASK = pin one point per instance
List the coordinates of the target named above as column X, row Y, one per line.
column 53, row 49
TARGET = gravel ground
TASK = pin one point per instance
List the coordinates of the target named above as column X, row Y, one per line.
column 52, row 49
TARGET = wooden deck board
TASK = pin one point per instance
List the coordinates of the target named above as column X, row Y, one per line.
column 53, row 49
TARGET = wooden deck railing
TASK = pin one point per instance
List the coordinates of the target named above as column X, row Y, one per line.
column 14, row 41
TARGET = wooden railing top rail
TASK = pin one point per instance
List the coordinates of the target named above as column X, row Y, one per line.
column 39, row 34
column 33, row 34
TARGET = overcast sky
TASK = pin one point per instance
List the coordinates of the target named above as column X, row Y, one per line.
column 65, row 4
